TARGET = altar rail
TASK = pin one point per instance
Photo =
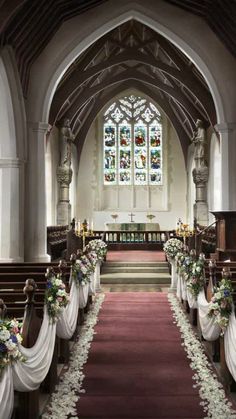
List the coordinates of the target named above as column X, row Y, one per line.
column 152, row 240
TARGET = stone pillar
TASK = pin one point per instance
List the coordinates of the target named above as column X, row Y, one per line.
column 200, row 175
column 64, row 173
column 228, row 168
column 35, row 214
column 64, row 177
column 11, row 210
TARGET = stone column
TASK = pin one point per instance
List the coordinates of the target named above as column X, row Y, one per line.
column 64, row 173
column 64, row 177
column 200, row 175
column 11, row 210
column 228, row 166
column 35, row 214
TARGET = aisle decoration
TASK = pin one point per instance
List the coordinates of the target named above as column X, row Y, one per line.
column 10, row 338
column 220, row 307
column 64, row 399
column 172, row 247
column 196, row 277
column 56, row 297
column 81, row 270
column 99, row 247
column 214, row 403
column 92, row 257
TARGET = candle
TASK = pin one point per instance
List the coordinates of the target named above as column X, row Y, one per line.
column 92, row 226
column 78, row 226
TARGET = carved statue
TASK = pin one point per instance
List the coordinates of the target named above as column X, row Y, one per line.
column 199, row 140
column 66, row 138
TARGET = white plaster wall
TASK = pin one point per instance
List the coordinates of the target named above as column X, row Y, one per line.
column 98, row 202
column 52, row 161
column 214, row 183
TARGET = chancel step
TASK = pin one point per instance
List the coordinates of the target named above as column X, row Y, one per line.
column 135, row 273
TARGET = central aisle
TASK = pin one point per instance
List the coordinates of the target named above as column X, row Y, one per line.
column 137, row 367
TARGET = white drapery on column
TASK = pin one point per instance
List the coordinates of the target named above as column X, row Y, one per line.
column 230, row 344
column 28, row 375
column 192, row 302
column 67, row 322
column 210, row 330
column 179, row 288
column 83, row 295
column 173, row 275
column 97, row 277
column 6, row 394
column 92, row 284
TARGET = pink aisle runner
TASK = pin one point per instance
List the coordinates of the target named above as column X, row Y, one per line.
column 137, row 367
column 135, row 256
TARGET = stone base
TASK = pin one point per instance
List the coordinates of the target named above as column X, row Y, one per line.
column 201, row 213
column 38, row 259
column 63, row 213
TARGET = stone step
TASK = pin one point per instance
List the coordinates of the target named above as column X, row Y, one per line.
column 139, row 264
column 136, row 278
column 133, row 269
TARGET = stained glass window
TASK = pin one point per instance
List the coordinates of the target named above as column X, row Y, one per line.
column 132, row 139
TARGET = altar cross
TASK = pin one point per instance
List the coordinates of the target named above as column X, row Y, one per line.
column 131, row 217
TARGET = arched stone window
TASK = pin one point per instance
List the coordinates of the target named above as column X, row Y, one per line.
column 132, row 143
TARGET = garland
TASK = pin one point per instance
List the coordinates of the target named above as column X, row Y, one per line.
column 56, row 297
column 220, row 306
column 99, row 247
column 10, row 338
column 64, row 399
column 172, row 247
column 214, row 403
column 196, row 278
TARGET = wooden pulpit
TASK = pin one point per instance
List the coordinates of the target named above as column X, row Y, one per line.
column 225, row 234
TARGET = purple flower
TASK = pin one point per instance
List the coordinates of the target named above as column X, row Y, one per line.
column 13, row 338
column 3, row 347
column 226, row 293
column 49, row 284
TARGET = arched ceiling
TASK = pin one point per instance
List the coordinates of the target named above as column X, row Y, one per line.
column 133, row 55
column 28, row 25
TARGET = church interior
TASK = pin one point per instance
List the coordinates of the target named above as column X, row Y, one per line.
column 117, row 209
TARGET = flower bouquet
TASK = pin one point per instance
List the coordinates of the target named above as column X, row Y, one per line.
column 82, row 270
column 220, row 306
column 99, row 247
column 196, row 278
column 172, row 247
column 56, row 297
column 10, row 338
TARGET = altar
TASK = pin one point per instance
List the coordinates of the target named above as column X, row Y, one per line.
column 132, row 226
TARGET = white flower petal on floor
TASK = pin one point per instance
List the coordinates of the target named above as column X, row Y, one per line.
column 214, row 403
column 64, row 399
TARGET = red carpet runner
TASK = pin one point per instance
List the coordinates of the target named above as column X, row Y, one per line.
column 137, row 367
column 135, row 256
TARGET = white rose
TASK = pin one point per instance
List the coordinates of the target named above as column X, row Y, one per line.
column 4, row 335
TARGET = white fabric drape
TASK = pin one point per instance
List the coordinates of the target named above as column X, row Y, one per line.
column 67, row 322
column 173, row 274
column 6, row 393
column 28, row 375
column 179, row 288
column 92, row 284
column 181, row 291
column 230, row 344
column 83, row 295
column 192, row 302
column 210, row 330
column 97, row 277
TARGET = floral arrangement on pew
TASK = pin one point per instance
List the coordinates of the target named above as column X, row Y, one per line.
column 10, row 338
column 56, row 297
column 99, row 247
column 172, row 247
column 196, row 279
column 82, row 270
column 220, row 306
column 92, row 257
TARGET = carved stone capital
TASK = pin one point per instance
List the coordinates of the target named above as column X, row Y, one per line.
column 64, row 175
column 200, row 175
